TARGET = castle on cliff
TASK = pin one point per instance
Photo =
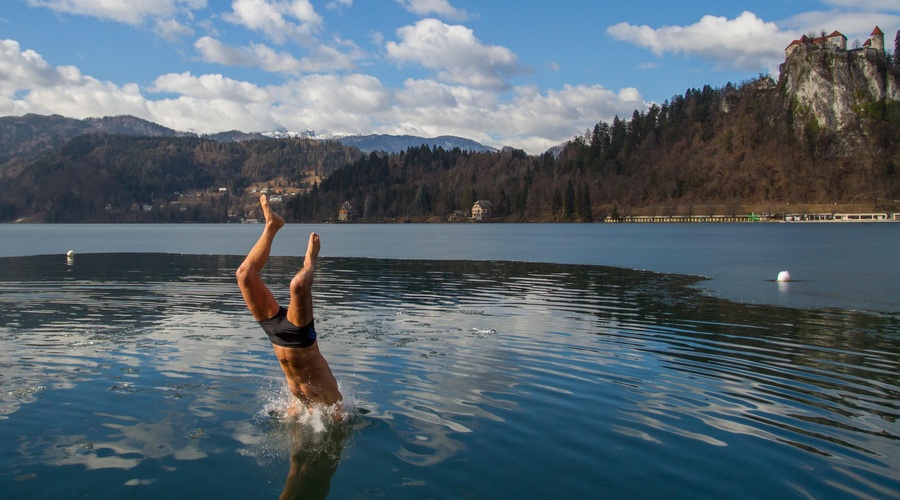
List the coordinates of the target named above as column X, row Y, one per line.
column 836, row 41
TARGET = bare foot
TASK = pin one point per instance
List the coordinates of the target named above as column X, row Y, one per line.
column 273, row 220
column 312, row 251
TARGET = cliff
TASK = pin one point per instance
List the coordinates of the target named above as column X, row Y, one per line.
column 834, row 86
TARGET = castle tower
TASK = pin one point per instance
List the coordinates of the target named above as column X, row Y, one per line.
column 877, row 39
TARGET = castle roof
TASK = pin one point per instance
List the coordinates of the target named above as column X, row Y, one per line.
column 821, row 40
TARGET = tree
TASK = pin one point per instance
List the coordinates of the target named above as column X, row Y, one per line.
column 569, row 200
column 583, row 204
column 422, row 201
column 897, row 49
column 557, row 203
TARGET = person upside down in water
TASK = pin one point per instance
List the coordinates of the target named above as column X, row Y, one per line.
column 292, row 329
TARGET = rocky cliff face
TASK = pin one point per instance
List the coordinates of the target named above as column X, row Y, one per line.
column 832, row 85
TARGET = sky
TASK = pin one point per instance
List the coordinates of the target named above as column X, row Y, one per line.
column 526, row 74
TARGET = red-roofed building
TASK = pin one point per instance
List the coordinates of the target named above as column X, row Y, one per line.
column 837, row 41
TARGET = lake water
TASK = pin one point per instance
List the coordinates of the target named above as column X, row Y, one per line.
column 478, row 361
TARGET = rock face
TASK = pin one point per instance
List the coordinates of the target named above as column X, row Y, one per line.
column 831, row 85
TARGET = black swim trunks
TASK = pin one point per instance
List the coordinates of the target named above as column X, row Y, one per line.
column 286, row 334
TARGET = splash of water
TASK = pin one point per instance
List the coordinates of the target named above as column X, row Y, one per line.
column 279, row 403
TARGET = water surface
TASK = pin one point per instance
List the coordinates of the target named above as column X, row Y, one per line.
column 142, row 375
column 840, row 265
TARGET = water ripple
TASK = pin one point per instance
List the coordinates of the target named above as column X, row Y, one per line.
column 632, row 375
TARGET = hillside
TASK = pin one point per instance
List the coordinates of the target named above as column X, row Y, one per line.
column 824, row 135
column 111, row 178
column 822, row 138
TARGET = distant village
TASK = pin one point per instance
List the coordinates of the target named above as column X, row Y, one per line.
column 481, row 211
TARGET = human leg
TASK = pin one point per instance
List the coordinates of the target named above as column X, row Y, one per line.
column 300, row 309
column 259, row 299
column 309, row 376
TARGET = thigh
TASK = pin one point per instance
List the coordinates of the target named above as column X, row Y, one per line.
column 259, row 299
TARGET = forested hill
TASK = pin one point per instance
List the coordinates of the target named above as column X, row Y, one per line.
column 111, row 178
column 824, row 134
column 763, row 145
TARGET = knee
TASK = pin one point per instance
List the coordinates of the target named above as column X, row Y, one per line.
column 243, row 273
column 300, row 283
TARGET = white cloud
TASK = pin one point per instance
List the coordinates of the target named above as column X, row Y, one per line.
column 441, row 8
column 29, row 85
column 266, row 58
column 171, row 29
column 209, row 87
column 277, row 20
column 211, row 115
column 854, row 25
column 745, row 42
column 339, row 4
column 21, row 69
column 123, row 11
column 260, row 55
column 455, row 52
column 532, row 119
column 331, row 103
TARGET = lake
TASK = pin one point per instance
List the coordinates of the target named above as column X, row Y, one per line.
column 477, row 361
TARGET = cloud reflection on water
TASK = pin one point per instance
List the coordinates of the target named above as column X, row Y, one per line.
column 451, row 360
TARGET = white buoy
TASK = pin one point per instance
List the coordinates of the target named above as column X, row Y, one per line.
column 70, row 257
column 783, row 277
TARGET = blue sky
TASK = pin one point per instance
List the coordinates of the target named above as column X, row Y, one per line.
column 526, row 74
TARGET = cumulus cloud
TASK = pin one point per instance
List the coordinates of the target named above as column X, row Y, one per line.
column 456, row 54
column 531, row 119
column 23, row 68
column 440, row 8
column 209, row 87
column 266, row 58
column 745, row 42
column 277, row 20
column 260, row 55
column 171, row 30
column 335, row 103
column 28, row 84
column 852, row 24
column 133, row 13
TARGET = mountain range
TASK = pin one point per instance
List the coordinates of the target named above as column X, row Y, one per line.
column 31, row 134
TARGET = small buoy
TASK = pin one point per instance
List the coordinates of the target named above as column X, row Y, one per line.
column 783, row 277
column 70, row 254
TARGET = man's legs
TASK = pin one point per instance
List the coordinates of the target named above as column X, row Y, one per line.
column 318, row 384
column 300, row 309
column 259, row 299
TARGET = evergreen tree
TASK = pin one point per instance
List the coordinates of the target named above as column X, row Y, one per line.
column 557, row 203
column 569, row 200
column 897, row 49
column 583, row 204
column 422, row 201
